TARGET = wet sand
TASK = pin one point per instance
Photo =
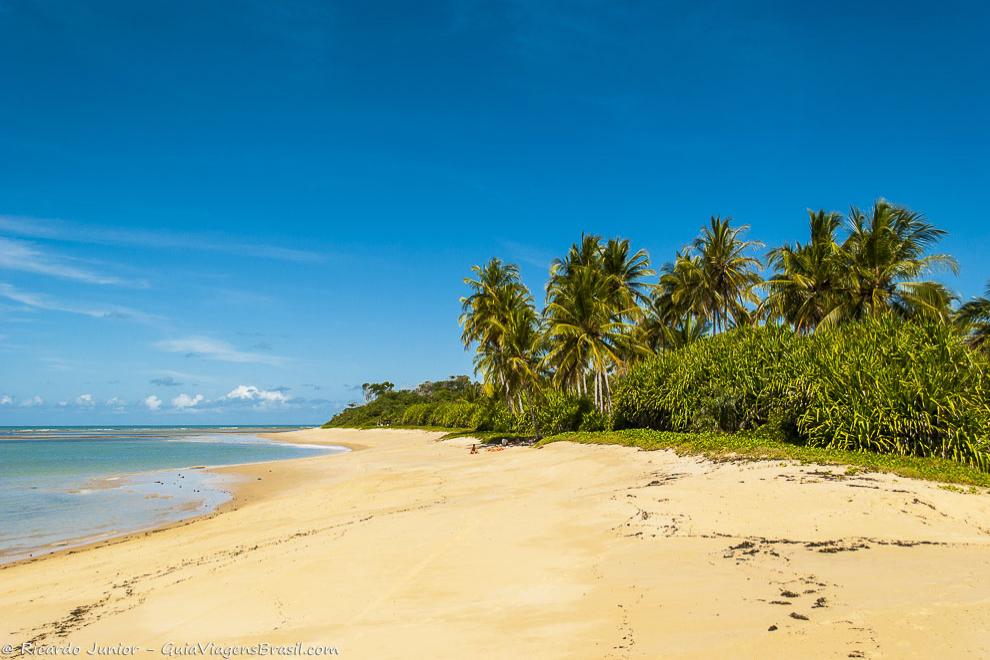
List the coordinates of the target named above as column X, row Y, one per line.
column 409, row 546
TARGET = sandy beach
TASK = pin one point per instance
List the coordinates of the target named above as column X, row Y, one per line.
column 412, row 547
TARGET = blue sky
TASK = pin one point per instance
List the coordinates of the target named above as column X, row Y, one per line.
column 239, row 211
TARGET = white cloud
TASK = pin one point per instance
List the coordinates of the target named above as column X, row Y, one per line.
column 39, row 301
column 78, row 233
column 252, row 393
column 214, row 349
column 184, row 401
column 34, row 402
column 6, row 400
column 116, row 402
column 153, row 402
column 84, row 400
column 25, row 257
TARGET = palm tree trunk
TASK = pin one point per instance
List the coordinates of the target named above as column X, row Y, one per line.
column 599, row 401
column 608, row 392
column 532, row 416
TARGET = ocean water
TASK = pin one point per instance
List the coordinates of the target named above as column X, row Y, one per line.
column 67, row 486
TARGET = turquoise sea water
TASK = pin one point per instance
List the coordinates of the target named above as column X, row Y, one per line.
column 66, row 486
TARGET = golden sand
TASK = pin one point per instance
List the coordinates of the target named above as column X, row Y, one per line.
column 409, row 547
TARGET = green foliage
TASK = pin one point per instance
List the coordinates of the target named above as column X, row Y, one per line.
column 734, row 381
column 882, row 385
column 453, row 414
column 387, row 409
column 418, row 414
column 493, row 415
column 892, row 387
column 442, row 414
column 595, row 420
column 558, row 412
column 374, row 390
column 447, row 403
column 454, row 388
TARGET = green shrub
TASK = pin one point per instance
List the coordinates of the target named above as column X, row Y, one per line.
column 735, row 381
column 453, row 415
column 446, row 403
column 387, row 409
column 888, row 386
column 417, row 414
column 882, row 385
column 559, row 412
column 595, row 420
column 493, row 415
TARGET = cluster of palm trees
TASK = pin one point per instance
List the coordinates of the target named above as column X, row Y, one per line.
column 877, row 268
column 601, row 312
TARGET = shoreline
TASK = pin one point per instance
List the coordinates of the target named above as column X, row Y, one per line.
column 235, row 490
column 562, row 551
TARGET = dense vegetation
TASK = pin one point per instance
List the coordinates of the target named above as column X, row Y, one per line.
column 844, row 345
column 385, row 405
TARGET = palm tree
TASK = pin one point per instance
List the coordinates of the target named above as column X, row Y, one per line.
column 521, row 354
column 500, row 319
column 592, row 297
column 625, row 273
column 974, row 320
column 882, row 260
column 804, row 288
column 675, row 311
column 728, row 274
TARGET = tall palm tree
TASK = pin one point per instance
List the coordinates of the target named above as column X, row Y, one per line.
column 974, row 320
column 728, row 273
column 584, row 334
column 884, row 256
column 675, row 312
column 626, row 271
column 520, row 355
column 498, row 316
column 805, row 285
column 592, row 298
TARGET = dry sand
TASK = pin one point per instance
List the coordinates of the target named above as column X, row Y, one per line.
column 410, row 547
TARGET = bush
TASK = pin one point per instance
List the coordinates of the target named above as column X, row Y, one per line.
column 881, row 385
column 559, row 412
column 731, row 382
column 893, row 387
column 387, row 409
column 493, row 415
column 417, row 414
column 595, row 420
column 453, row 415
column 446, row 403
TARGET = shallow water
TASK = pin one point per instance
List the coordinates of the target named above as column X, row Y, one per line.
column 62, row 487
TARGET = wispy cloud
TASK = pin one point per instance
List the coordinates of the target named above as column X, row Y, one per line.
column 41, row 301
column 67, row 231
column 28, row 258
column 214, row 349
column 527, row 254
column 166, row 381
